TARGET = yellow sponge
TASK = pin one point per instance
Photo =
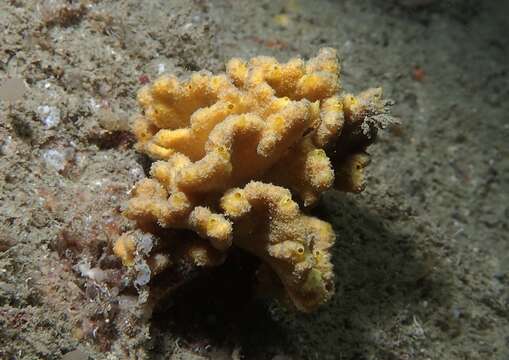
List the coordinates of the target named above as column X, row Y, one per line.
column 238, row 154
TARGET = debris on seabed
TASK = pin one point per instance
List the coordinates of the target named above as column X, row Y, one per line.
column 7, row 146
column 418, row 73
column 12, row 90
column 57, row 159
column 49, row 115
column 75, row 355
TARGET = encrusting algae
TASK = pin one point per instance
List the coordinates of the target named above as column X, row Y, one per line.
column 236, row 153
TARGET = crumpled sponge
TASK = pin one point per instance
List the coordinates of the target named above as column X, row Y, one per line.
column 240, row 158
